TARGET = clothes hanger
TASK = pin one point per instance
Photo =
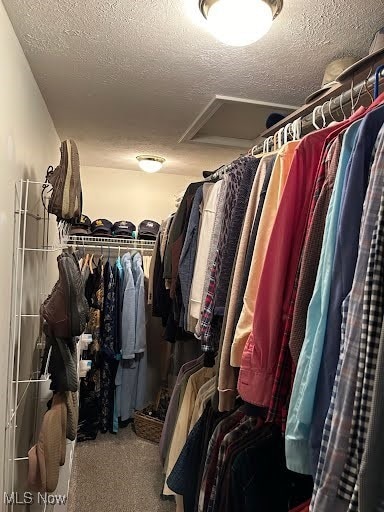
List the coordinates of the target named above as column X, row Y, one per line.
column 323, row 115
column 275, row 141
column 296, row 129
column 351, row 92
column 368, row 91
column 378, row 75
column 341, row 108
column 314, row 114
column 287, row 129
column 265, row 146
column 91, row 263
column 354, row 104
column 251, row 152
column 81, row 258
column 292, row 130
column 266, row 149
column 330, row 110
column 280, row 140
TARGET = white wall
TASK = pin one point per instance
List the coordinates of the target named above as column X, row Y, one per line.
column 28, row 144
column 115, row 195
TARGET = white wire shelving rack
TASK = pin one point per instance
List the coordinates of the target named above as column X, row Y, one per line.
column 36, row 240
column 31, row 249
column 114, row 243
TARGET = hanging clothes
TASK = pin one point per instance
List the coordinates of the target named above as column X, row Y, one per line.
column 276, row 187
column 227, row 377
column 132, row 371
column 327, row 492
column 210, row 227
column 180, row 434
column 176, row 237
column 209, row 335
column 89, row 404
column 188, row 254
column 344, row 262
column 109, row 366
column 293, row 306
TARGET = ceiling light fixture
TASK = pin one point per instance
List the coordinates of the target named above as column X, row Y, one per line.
column 240, row 22
column 149, row 163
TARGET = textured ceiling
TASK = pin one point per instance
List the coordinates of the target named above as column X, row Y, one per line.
column 125, row 77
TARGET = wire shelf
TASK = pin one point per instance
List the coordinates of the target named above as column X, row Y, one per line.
column 113, row 242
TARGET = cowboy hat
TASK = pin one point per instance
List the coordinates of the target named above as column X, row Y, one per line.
column 332, row 75
column 376, row 48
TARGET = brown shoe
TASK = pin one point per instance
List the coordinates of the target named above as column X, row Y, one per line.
column 56, row 308
column 66, row 198
column 72, row 415
column 79, row 308
column 66, row 310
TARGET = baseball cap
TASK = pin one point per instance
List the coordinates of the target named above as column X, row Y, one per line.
column 148, row 229
column 273, row 119
column 101, row 227
column 123, row 229
column 81, row 226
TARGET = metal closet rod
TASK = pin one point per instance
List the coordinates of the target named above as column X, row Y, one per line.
column 332, row 105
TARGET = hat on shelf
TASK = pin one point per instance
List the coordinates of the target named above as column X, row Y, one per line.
column 376, row 48
column 101, row 227
column 123, row 229
column 148, row 230
column 273, row 119
column 81, row 226
column 332, row 75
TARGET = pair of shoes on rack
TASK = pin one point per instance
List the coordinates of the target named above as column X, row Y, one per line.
column 66, row 309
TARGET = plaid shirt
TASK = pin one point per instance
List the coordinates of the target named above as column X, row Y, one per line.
column 372, row 322
column 245, row 426
column 278, row 409
column 210, row 467
column 235, row 174
column 209, row 306
column 338, row 425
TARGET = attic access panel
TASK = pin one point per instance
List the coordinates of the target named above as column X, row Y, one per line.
column 228, row 121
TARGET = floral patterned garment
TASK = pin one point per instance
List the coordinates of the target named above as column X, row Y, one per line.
column 109, row 363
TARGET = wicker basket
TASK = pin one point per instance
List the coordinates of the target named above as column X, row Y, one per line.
column 147, row 427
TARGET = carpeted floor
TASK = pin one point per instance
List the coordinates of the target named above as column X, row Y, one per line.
column 119, row 473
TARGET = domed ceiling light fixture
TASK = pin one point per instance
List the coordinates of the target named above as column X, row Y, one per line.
column 240, row 22
column 149, row 163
